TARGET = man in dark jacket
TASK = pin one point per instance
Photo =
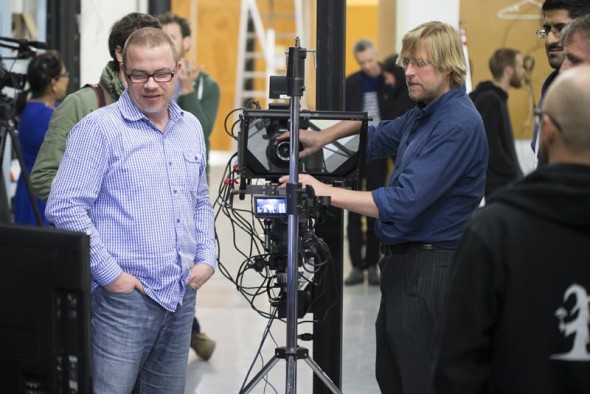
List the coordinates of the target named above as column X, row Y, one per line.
column 491, row 100
column 557, row 14
column 366, row 90
column 517, row 313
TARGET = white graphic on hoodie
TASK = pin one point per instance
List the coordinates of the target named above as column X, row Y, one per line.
column 577, row 326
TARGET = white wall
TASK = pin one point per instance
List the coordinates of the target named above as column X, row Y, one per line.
column 96, row 19
column 410, row 14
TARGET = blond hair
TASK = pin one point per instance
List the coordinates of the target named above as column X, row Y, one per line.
column 443, row 44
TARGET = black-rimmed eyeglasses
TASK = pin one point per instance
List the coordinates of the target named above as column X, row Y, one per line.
column 158, row 76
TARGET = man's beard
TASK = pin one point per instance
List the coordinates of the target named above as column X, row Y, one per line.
column 515, row 82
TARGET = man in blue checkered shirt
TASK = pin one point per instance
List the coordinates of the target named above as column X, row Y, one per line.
column 134, row 177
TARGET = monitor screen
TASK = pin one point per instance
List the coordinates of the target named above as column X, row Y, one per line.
column 45, row 343
column 261, row 155
column 268, row 207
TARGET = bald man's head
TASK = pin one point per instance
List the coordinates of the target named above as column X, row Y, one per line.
column 567, row 105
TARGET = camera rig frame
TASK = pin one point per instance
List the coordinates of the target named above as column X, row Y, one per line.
column 260, row 156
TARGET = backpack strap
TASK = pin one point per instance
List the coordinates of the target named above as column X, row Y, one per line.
column 100, row 93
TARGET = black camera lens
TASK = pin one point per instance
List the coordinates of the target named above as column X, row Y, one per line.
column 283, row 150
column 277, row 153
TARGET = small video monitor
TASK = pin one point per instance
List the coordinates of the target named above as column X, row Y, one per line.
column 270, row 206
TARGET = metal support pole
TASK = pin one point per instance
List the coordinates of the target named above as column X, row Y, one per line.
column 63, row 34
column 157, row 7
column 295, row 88
column 327, row 344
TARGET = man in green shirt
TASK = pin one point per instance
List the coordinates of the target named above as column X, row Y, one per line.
column 80, row 103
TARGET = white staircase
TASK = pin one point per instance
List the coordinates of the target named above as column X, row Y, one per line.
column 267, row 29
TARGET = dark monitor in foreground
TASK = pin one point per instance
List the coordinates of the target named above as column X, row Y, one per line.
column 45, row 343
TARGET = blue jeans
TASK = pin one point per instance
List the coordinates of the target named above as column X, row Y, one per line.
column 137, row 345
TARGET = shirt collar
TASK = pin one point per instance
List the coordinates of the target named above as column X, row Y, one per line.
column 427, row 110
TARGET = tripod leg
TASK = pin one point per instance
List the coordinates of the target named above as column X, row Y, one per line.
column 271, row 363
column 322, row 375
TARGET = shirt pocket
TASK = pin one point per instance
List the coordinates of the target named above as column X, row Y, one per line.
column 192, row 164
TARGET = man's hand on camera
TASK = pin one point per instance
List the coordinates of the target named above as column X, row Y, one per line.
column 321, row 189
column 311, row 141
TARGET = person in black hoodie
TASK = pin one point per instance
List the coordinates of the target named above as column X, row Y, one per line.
column 491, row 100
column 517, row 313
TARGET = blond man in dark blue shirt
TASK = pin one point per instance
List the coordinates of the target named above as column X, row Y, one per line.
column 439, row 178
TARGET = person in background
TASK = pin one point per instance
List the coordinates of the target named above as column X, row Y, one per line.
column 576, row 43
column 491, row 100
column 367, row 91
column 197, row 93
column 437, row 184
column 557, row 14
column 517, row 313
column 80, row 103
column 133, row 178
column 48, row 82
column 394, row 77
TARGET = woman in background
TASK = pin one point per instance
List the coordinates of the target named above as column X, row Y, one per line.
column 48, row 83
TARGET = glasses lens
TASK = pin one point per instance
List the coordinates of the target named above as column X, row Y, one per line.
column 542, row 33
column 163, row 77
column 139, row 78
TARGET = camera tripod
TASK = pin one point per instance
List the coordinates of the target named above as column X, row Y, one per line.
column 291, row 352
column 6, row 130
column 301, row 353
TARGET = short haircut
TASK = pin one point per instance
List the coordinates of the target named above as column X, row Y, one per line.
column 567, row 101
column 579, row 25
column 443, row 45
column 500, row 59
column 575, row 8
column 149, row 37
column 169, row 17
column 362, row 45
column 123, row 28
column 42, row 69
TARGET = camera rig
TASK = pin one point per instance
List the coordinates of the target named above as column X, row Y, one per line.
column 288, row 256
column 262, row 156
column 261, row 161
